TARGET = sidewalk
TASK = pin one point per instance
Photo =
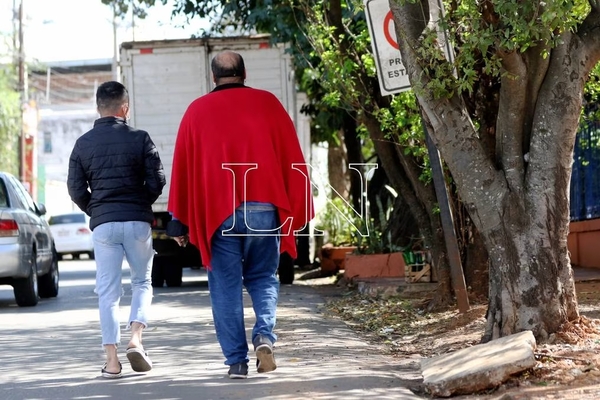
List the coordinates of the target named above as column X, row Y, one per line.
column 319, row 357
column 582, row 274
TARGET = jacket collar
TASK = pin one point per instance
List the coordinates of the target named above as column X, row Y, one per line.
column 109, row 121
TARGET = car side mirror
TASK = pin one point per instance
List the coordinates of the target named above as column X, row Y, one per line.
column 41, row 209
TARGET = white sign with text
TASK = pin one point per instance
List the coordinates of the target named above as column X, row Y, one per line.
column 392, row 75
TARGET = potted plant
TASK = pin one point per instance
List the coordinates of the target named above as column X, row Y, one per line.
column 376, row 253
column 337, row 221
column 375, row 256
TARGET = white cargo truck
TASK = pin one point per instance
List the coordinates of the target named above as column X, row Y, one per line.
column 163, row 77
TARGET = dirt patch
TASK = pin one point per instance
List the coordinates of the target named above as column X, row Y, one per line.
column 568, row 365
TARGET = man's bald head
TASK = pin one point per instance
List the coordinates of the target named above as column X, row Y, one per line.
column 228, row 67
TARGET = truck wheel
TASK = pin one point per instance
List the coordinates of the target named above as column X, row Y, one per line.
column 174, row 275
column 49, row 281
column 158, row 276
column 26, row 289
column 286, row 269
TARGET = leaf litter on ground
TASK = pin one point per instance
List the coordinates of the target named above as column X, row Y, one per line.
column 570, row 358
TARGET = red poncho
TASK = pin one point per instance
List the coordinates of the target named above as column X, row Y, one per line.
column 225, row 137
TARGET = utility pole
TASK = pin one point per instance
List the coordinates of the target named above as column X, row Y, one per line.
column 15, row 30
column 115, row 73
column 22, row 89
column 132, row 21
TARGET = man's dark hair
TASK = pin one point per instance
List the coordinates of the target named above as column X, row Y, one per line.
column 111, row 95
column 228, row 65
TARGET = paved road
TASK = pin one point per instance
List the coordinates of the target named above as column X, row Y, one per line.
column 52, row 351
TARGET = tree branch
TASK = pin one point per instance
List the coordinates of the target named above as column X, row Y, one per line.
column 510, row 128
column 518, row 98
column 451, row 128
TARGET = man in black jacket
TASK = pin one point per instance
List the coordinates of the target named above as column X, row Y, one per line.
column 115, row 175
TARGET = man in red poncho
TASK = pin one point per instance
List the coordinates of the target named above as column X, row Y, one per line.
column 239, row 183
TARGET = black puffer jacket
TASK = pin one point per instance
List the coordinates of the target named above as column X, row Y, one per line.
column 115, row 173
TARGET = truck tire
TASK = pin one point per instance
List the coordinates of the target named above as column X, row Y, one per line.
column 286, row 269
column 158, row 276
column 174, row 275
column 48, row 283
column 26, row 289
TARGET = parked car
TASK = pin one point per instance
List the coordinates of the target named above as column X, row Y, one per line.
column 29, row 258
column 72, row 234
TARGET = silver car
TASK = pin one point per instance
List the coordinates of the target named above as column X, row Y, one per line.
column 29, row 259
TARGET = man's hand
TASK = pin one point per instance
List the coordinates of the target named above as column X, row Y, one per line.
column 182, row 240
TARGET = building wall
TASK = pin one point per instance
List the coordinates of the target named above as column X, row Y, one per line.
column 58, row 129
column 65, row 96
column 582, row 242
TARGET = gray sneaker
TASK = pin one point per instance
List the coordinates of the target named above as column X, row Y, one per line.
column 265, row 359
column 238, row 371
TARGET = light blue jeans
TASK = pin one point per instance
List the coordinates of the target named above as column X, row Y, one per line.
column 112, row 241
column 250, row 261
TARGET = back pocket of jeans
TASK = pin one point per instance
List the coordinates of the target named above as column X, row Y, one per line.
column 264, row 221
column 141, row 231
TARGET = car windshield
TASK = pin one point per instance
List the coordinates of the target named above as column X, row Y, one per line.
column 67, row 219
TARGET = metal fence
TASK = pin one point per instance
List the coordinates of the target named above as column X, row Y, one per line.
column 585, row 180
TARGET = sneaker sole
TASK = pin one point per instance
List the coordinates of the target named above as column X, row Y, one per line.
column 266, row 360
column 237, row 376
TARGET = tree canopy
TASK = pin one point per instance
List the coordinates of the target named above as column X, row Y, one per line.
column 9, row 120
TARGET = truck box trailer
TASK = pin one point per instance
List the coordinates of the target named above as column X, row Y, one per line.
column 163, row 77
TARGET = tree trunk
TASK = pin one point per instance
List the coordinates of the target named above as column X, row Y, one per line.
column 531, row 282
column 476, row 263
column 519, row 200
column 337, row 168
column 354, row 156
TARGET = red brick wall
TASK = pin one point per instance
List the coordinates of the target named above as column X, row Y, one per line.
column 584, row 243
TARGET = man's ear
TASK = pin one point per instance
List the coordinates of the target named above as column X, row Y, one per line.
column 244, row 76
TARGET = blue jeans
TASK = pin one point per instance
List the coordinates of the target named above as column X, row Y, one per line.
column 250, row 261
column 112, row 241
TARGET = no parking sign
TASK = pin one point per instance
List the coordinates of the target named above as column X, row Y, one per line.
column 391, row 72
